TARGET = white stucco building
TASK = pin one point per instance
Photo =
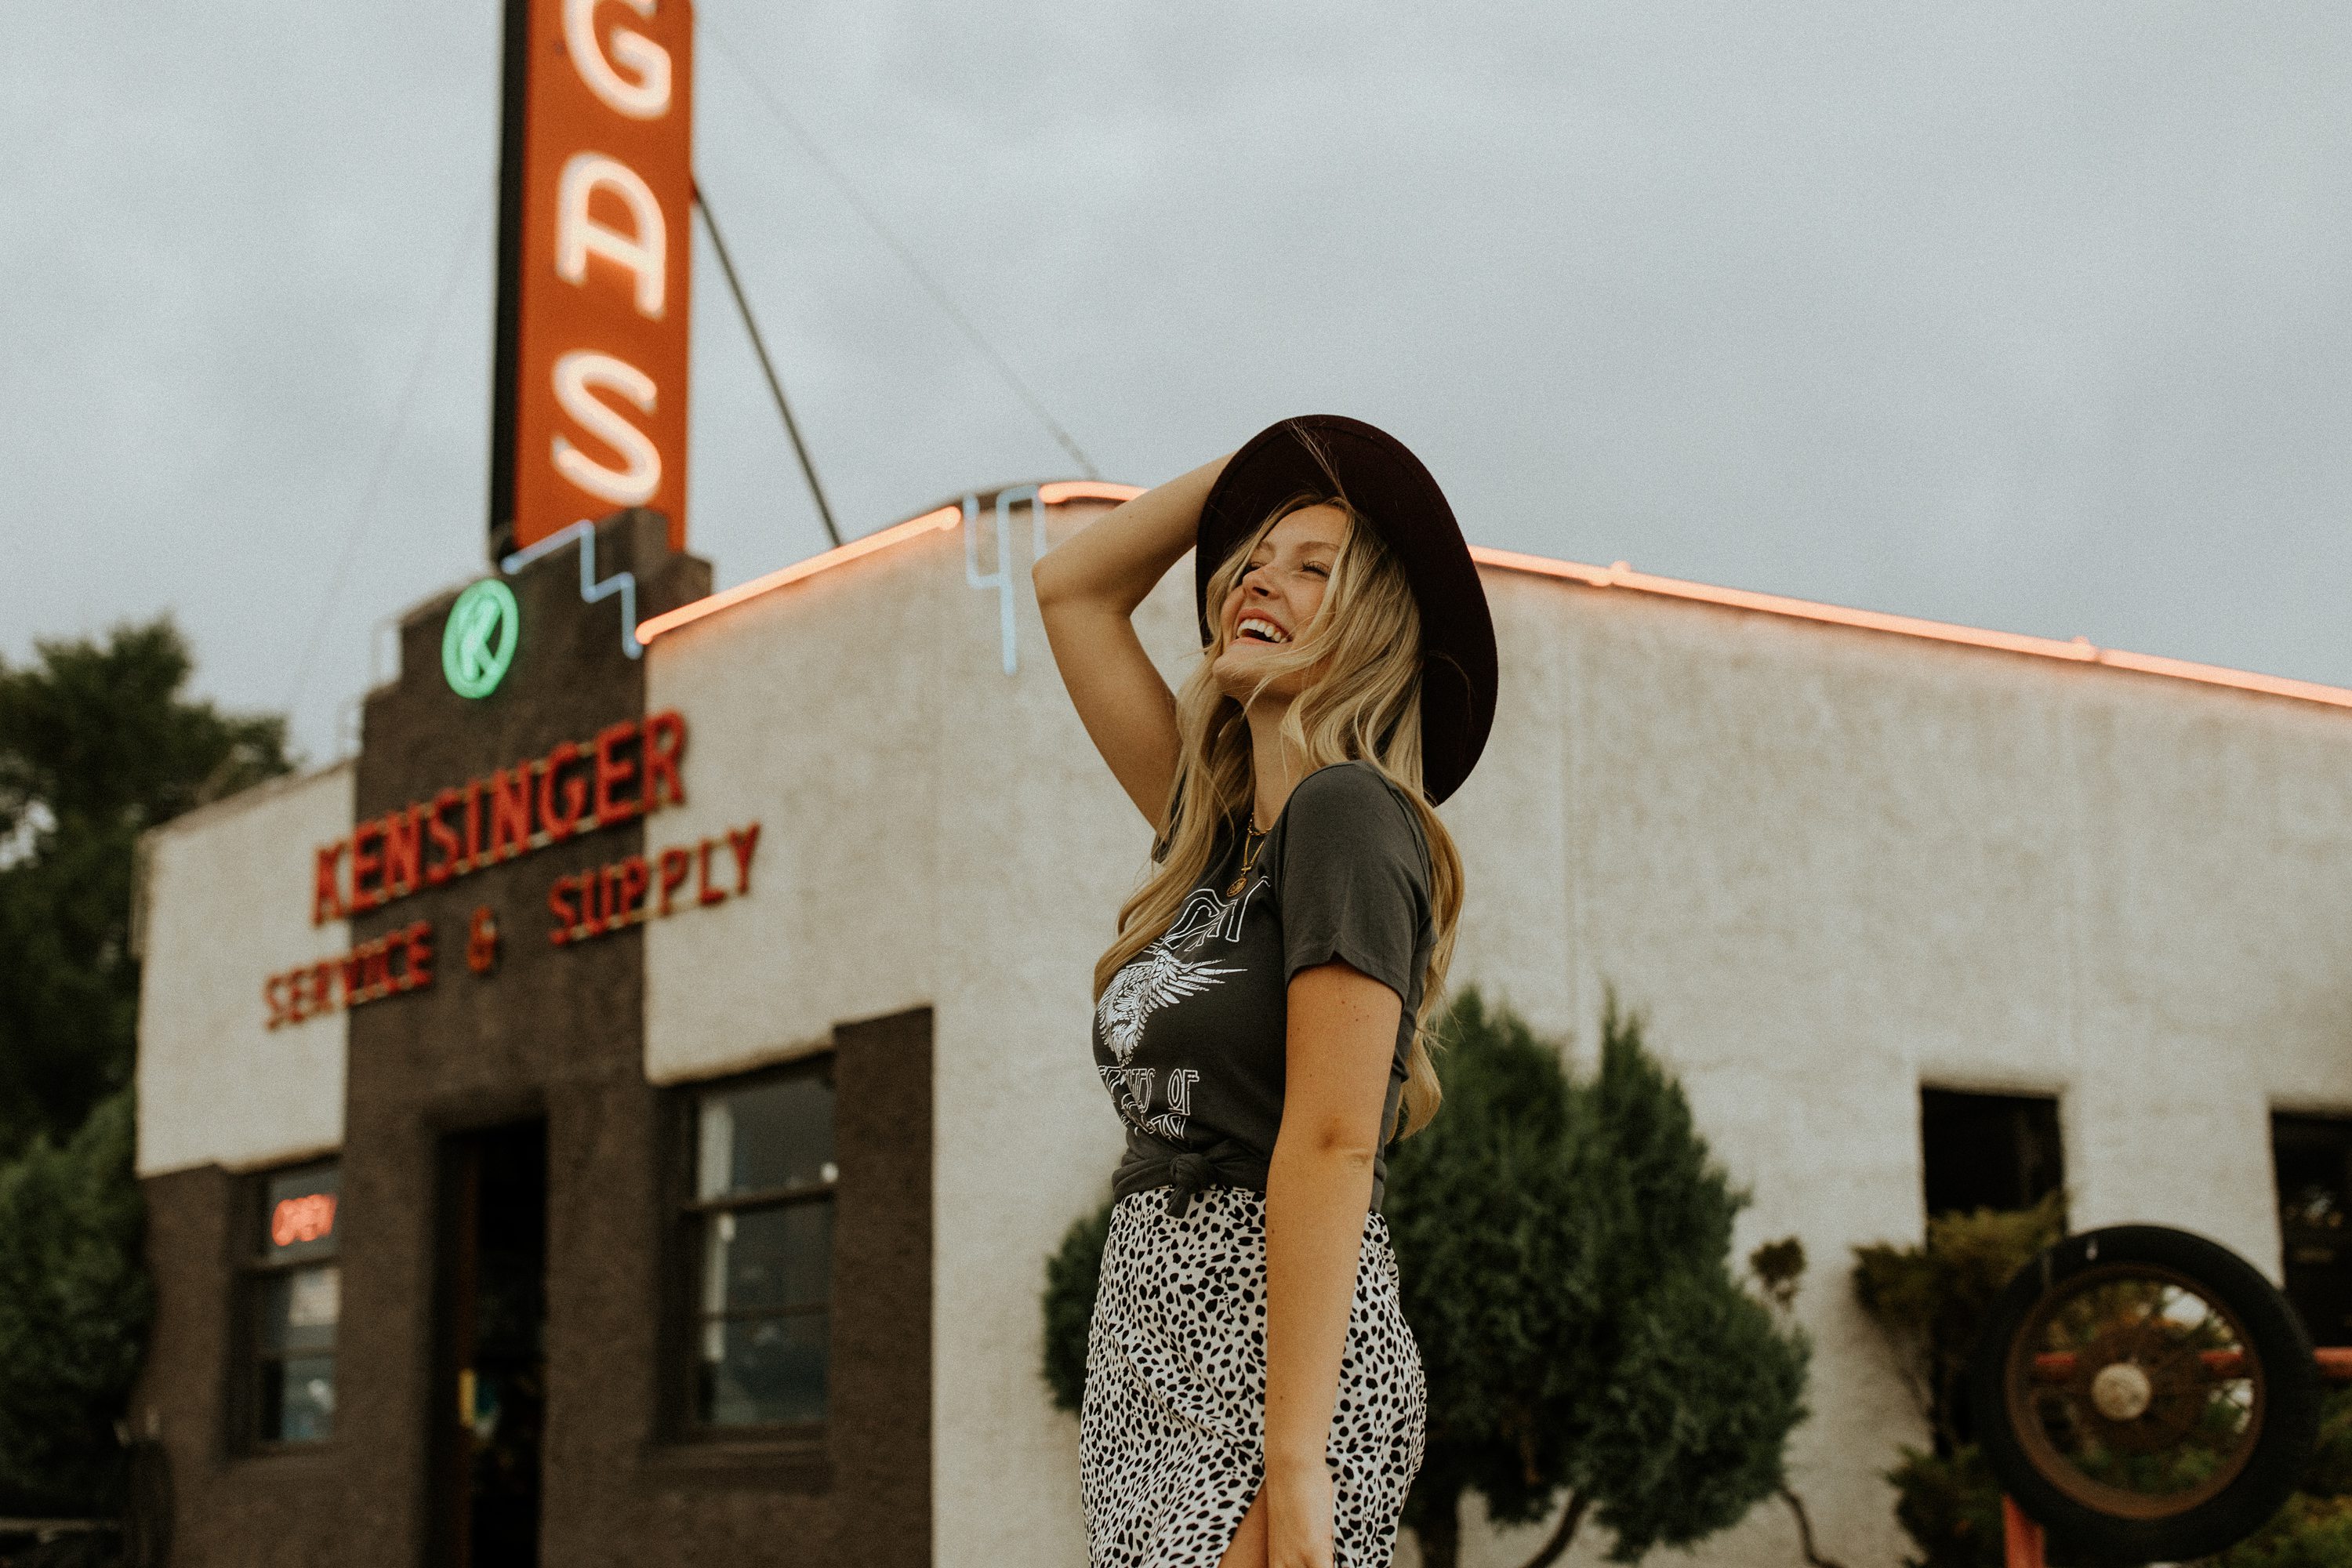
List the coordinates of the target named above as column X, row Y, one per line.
column 1834, row 858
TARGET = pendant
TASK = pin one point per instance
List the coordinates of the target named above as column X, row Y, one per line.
column 1250, row 845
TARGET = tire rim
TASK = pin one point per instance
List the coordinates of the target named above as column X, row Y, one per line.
column 2134, row 1391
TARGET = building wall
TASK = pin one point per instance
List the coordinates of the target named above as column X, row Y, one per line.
column 216, row 1084
column 553, row 1032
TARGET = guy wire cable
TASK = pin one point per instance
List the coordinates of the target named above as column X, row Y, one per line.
column 760, row 347
column 898, row 248
column 352, row 529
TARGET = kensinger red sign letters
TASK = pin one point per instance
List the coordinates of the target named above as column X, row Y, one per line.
column 629, row 769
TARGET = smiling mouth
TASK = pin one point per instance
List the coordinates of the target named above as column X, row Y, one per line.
column 1256, row 628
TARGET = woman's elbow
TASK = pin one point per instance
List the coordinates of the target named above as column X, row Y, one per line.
column 1048, row 579
column 1333, row 1142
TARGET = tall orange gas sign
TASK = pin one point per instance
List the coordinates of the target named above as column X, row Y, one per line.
column 589, row 410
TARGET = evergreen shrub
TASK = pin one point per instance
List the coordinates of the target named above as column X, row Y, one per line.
column 75, row 1303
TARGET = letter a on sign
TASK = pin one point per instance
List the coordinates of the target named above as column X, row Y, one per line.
column 602, row 319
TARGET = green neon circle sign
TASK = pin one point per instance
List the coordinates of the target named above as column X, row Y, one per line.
column 479, row 642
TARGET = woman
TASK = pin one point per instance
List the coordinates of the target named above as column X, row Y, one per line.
column 1254, row 1398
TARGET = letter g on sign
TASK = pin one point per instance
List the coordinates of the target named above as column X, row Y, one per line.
column 646, row 97
column 478, row 642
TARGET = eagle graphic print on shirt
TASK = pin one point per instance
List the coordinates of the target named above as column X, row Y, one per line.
column 1189, row 1035
column 1161, row 973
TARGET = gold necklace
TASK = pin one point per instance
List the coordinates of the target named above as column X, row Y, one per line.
column 1252, row 842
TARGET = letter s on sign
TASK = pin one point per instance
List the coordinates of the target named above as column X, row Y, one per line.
column 576, row 374
column 648, row 97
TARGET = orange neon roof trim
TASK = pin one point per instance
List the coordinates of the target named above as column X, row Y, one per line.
column 840, row 555
column 2077, row 650
column 1060, row 490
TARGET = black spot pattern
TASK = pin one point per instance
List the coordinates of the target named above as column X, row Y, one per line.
column 1172, row 1429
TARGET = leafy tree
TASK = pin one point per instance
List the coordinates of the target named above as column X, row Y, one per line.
column 1496, row 1276
column 74, row 1308
column 1931, row 1301
column 2315, row 1529
column 98, row 743
column 1564, row 1249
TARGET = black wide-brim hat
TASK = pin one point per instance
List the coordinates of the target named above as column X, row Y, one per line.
column 1386, row 483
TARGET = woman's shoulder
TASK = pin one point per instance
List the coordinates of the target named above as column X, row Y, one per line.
column 1353, row 799
column 1354, row 782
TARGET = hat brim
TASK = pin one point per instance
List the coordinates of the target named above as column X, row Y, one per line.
column 1384, row 481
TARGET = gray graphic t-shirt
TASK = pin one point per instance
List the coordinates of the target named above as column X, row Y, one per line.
column 1190, row 1034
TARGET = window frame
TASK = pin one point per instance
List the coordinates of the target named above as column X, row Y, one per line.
column 2296, row 1269
column 2017, row 1105
column 689, row 1218
column 255, row 1271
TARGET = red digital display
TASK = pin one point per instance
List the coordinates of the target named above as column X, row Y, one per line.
column 311, row 1218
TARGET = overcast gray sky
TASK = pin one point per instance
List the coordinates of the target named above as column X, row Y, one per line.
column 2035, row 316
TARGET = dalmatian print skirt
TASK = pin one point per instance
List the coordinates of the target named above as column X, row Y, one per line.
column 1172, row 1429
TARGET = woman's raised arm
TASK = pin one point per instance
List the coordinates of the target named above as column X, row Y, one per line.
column 1088, row 589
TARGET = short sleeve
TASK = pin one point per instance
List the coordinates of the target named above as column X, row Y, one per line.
column 1353, row 881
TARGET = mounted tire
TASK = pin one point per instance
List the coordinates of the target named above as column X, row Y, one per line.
column 2145, row 1395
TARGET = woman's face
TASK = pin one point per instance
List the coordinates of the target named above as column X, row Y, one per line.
column 1278, row 594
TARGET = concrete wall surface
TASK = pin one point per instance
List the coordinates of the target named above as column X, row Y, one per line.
column 226, row 897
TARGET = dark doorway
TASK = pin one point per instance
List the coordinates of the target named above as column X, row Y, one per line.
column 2314, row 1157
column 490, row 1396
column 1989, row 1150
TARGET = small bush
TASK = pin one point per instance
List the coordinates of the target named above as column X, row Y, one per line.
column 1950, row 1507
column 1073, row 1277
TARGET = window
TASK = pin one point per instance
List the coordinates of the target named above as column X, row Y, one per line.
column 760, row 1219
column 1989, row 1150
column 1999, row 1151
column 294, row 1299
column 2314, row 1158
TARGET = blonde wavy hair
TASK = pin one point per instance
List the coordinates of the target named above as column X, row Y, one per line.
column 1362, row 654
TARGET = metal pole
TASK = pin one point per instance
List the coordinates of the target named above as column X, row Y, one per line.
column 514, row 90
column 2021, row 1537
column 759, row 347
